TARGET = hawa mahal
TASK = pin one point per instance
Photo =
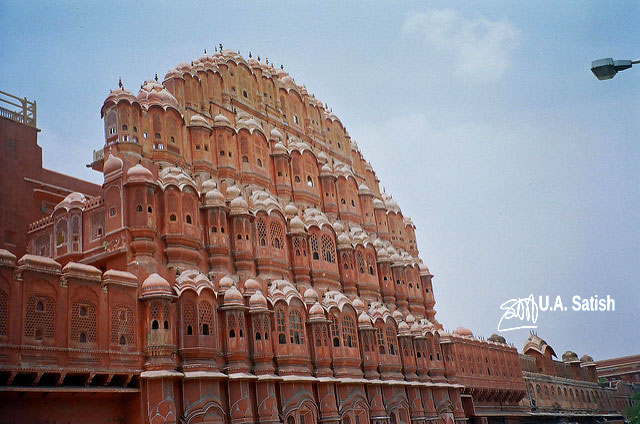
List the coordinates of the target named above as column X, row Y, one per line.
column 240, row 264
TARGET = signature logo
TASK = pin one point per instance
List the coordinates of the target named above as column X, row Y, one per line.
column 519, row 311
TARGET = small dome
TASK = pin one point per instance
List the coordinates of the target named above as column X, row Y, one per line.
column 310, row 295
column 232, row 192
column 424, row 271
column 344, row 241
column 296, row 225
column 225, row 283
column 322, row 158
column 139, row 173
column 209, row 185
column 461, row 331
column 410, row 319
column 275, row 134
column 198, row 121
column 570, row 356
column 279, row 149
column 403, row 328
column 416, row 329
column 115, row 96
column 364, row 320
column 382, row 254
column 338, row 227
column 358, row 304
column 239, row 206
column 316, row 311
column 496, row 338
column 221, row 120
column 377, row 204
column 112, row 164
column 257, row 300
column 214, row 198
column 73, row 200
column 233, row 296
column 586, row 358
column 290, row 210
column 363, row 189
column 326, row 170
column 155, row 285
column 397, row 315
column 252, row 286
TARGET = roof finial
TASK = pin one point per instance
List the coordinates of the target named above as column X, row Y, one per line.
column 205, row 51
column 220, row 47
column 281, row 66
column 267, row 60
column 156, row 76
column 258, row 58
column 215, row 48
column 120, row 82
column 249, row 55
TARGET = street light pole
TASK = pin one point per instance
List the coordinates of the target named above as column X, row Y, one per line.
column 607, row 68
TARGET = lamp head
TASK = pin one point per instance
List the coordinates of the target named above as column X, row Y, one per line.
column 607, row 68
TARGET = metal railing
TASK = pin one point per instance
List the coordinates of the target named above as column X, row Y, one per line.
column 19, row 110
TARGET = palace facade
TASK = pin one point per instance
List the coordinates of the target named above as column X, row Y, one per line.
column 240, row 264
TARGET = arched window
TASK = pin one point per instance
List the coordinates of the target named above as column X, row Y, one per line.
column 205, row 317
column 40, row 318
column 122, row 325
column 380, row 340
column 3, row 313
column 313, row 241
column 61, row 232
column 262, row 232
column 189, row 316
column 309, row 181
column 328, row 249
column 275, row 231
column 280, row 326
column 360, row 262
column 371, row 264
column 172, row 218
column 335, row 332
column 349, row 332
column 188, row 219
column 83, row 321
column 296, row 332
column 391, row 338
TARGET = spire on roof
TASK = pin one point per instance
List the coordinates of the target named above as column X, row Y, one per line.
column 120, row 82
column 156, row 76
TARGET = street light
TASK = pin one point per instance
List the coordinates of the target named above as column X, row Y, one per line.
column 605, row 69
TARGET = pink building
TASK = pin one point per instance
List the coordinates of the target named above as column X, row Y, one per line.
column 238, row 265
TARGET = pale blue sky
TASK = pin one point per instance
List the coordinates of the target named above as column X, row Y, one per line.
column 520, row 169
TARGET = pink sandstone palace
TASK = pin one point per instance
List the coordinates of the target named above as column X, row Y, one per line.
column 239, row 265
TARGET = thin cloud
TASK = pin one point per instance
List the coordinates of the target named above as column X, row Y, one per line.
column 478, row 49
